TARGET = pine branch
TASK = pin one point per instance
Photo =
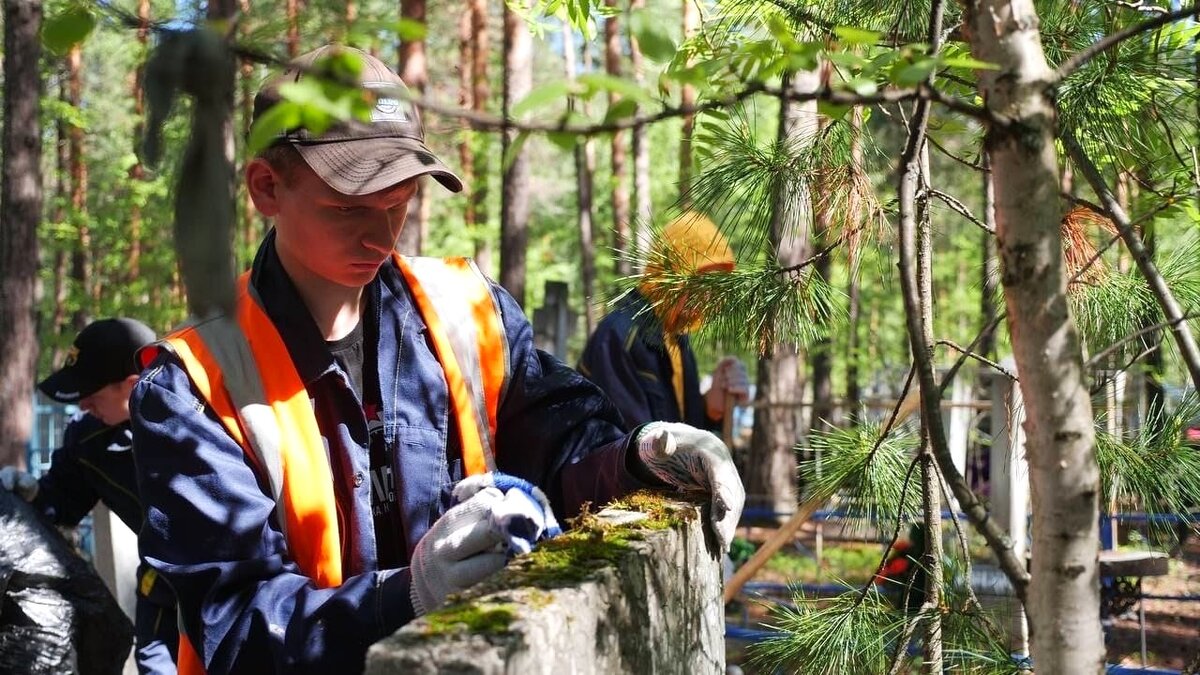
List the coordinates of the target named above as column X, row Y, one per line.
column 1189, row 352
column 1100, row 46
column 959, row 208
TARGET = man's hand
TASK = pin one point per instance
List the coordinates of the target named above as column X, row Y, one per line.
column 729, row 378
column 15, row 480
column 461, row 549
column 693, row 459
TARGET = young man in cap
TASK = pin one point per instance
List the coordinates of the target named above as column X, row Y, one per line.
column 640, row 354
column 95, row 463
column 297, row 457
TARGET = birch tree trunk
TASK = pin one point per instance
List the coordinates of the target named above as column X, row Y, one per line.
column 414, row 72
column 1063, row 599
column 771, row 466
column 20, row 212
column 514, row 197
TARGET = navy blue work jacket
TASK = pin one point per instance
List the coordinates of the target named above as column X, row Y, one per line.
column 626, row 358
column 209, row 525
column 94, row 464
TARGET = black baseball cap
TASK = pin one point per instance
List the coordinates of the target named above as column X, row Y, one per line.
column 103, row 353
column 358, row 157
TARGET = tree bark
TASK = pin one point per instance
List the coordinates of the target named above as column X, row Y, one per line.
column 137, row 172
column 466, row 137
column 62, row 190
column 514, row 197
column 991, row 265
column 81, row 257
column 641, row 155
column 293, row 28
column 770, row 469
column 620, row 191
column 20, row 213
column 687, row 97
column 583, row 184
column 414, row 72
column 479, row 102
column 1063, row 599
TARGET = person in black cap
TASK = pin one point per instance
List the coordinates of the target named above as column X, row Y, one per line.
column 95, row 464
column 303, row 458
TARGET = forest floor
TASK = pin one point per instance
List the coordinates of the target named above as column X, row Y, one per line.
column 1172, row 626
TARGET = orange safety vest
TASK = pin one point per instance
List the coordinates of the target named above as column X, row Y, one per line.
column 241, row 367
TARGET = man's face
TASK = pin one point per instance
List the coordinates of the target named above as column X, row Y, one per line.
column 324, row 236
column 110, row 403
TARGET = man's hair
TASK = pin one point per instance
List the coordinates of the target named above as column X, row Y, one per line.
column 284, row 158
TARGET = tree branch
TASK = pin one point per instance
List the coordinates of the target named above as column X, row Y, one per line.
column 1082, row 56
column 982, row 359
column 1189, row 352
column 960, row 208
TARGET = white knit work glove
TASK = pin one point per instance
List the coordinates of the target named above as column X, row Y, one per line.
column 17, row 481
column 693, row 459
column 461, row 549
column 728, row 378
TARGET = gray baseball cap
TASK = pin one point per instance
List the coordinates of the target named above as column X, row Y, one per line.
column 358, row 157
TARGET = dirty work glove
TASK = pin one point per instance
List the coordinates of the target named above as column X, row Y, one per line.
column 17, row 481
column 693, row 459
column 728, row 378
column 523, row 518
column 459, row 551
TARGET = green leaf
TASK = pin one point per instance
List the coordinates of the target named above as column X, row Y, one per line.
column 563, row 139
column 514, row 149
column 856, row 36
column 833, row 111
column 863, row 86
column 652, row 39
column 409, row 30
column 617, row 85
column 541, row 96
column 623, row 108
column 276, row 120
column 967, row 62
column 916, row 72
column 67, row 29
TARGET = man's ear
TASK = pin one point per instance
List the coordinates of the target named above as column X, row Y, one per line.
column 263, row 182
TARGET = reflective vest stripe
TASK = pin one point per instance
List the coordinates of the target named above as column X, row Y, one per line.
column 243, row 370
column 467, row 331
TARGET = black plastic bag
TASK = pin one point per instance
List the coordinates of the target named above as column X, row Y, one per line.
column 56, row 615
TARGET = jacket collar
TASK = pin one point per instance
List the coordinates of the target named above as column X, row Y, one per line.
column 286, row 309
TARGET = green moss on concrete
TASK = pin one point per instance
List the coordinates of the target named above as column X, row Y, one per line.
column 470, row 617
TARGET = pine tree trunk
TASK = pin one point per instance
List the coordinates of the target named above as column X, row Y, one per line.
column 1063, row 597
column 514, row 196
column 293, row 28
column 20, row 213
column 414, row 72
column 820, row 357
column 479, row 103
column 81, row 257
column 62, row 281
column 990, row 267
column 771, row 465
column 687, row 97
column 641, row 154
column 583, row 183
column 136, row 172
column 466, row 135
column 620, row 191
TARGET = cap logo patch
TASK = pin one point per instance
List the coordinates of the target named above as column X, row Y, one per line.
column 388, row 110
column 72, row 357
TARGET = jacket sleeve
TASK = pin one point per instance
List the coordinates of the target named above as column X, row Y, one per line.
column 607, row 362
column 209, row 531
column 555, row 428
column 65, row 491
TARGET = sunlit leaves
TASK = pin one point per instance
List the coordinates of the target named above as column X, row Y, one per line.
column 327, row 95
column 68, row 28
